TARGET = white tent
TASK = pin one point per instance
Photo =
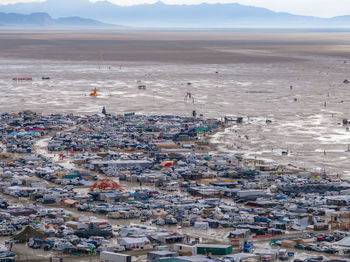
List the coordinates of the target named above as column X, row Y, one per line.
column 345, row 242
column 130, row 242
column 201, row 225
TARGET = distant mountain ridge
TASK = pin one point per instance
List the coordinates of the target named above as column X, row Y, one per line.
column 45, row 20
column 191, row 16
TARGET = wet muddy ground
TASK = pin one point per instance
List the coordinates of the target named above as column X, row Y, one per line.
column 306, row 121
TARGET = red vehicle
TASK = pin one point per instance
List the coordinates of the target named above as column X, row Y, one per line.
column 320, row 239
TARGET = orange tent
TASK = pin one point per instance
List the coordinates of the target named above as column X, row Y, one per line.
column 94, row 93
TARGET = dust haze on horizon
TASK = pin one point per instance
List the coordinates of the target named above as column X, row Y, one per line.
column 318, row 8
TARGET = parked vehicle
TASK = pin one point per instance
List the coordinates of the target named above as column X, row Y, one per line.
column 247, row 246
column 299, row 246
column 283, row 254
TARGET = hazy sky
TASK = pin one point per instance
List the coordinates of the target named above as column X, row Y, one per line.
column 322, row 8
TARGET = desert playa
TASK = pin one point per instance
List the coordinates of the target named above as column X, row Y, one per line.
column 229, row 73
column 190, row 46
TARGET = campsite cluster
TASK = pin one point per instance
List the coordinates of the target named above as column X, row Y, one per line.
column 115, row 184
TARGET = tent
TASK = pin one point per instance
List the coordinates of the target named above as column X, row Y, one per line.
column 239, row 233
column 106, row 184
column 27, row 233
column 129, row 242
column 345, row 242
column 201, row 225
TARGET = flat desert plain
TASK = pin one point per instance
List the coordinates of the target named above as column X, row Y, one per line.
column 228, row 72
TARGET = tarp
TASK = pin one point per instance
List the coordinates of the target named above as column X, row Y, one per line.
column 300, row 225
column 201, row 225
column 71, row 176
column 202, row 129
column 239, row 231
column 345, row 242
column 27, row 233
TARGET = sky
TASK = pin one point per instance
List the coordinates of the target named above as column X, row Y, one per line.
column 320, row 8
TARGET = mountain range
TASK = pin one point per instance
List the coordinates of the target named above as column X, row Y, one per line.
column 185, row 16
column 45, row 20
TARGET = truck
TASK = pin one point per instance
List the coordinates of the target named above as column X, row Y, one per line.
column 106, row 256
column 283, row 254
